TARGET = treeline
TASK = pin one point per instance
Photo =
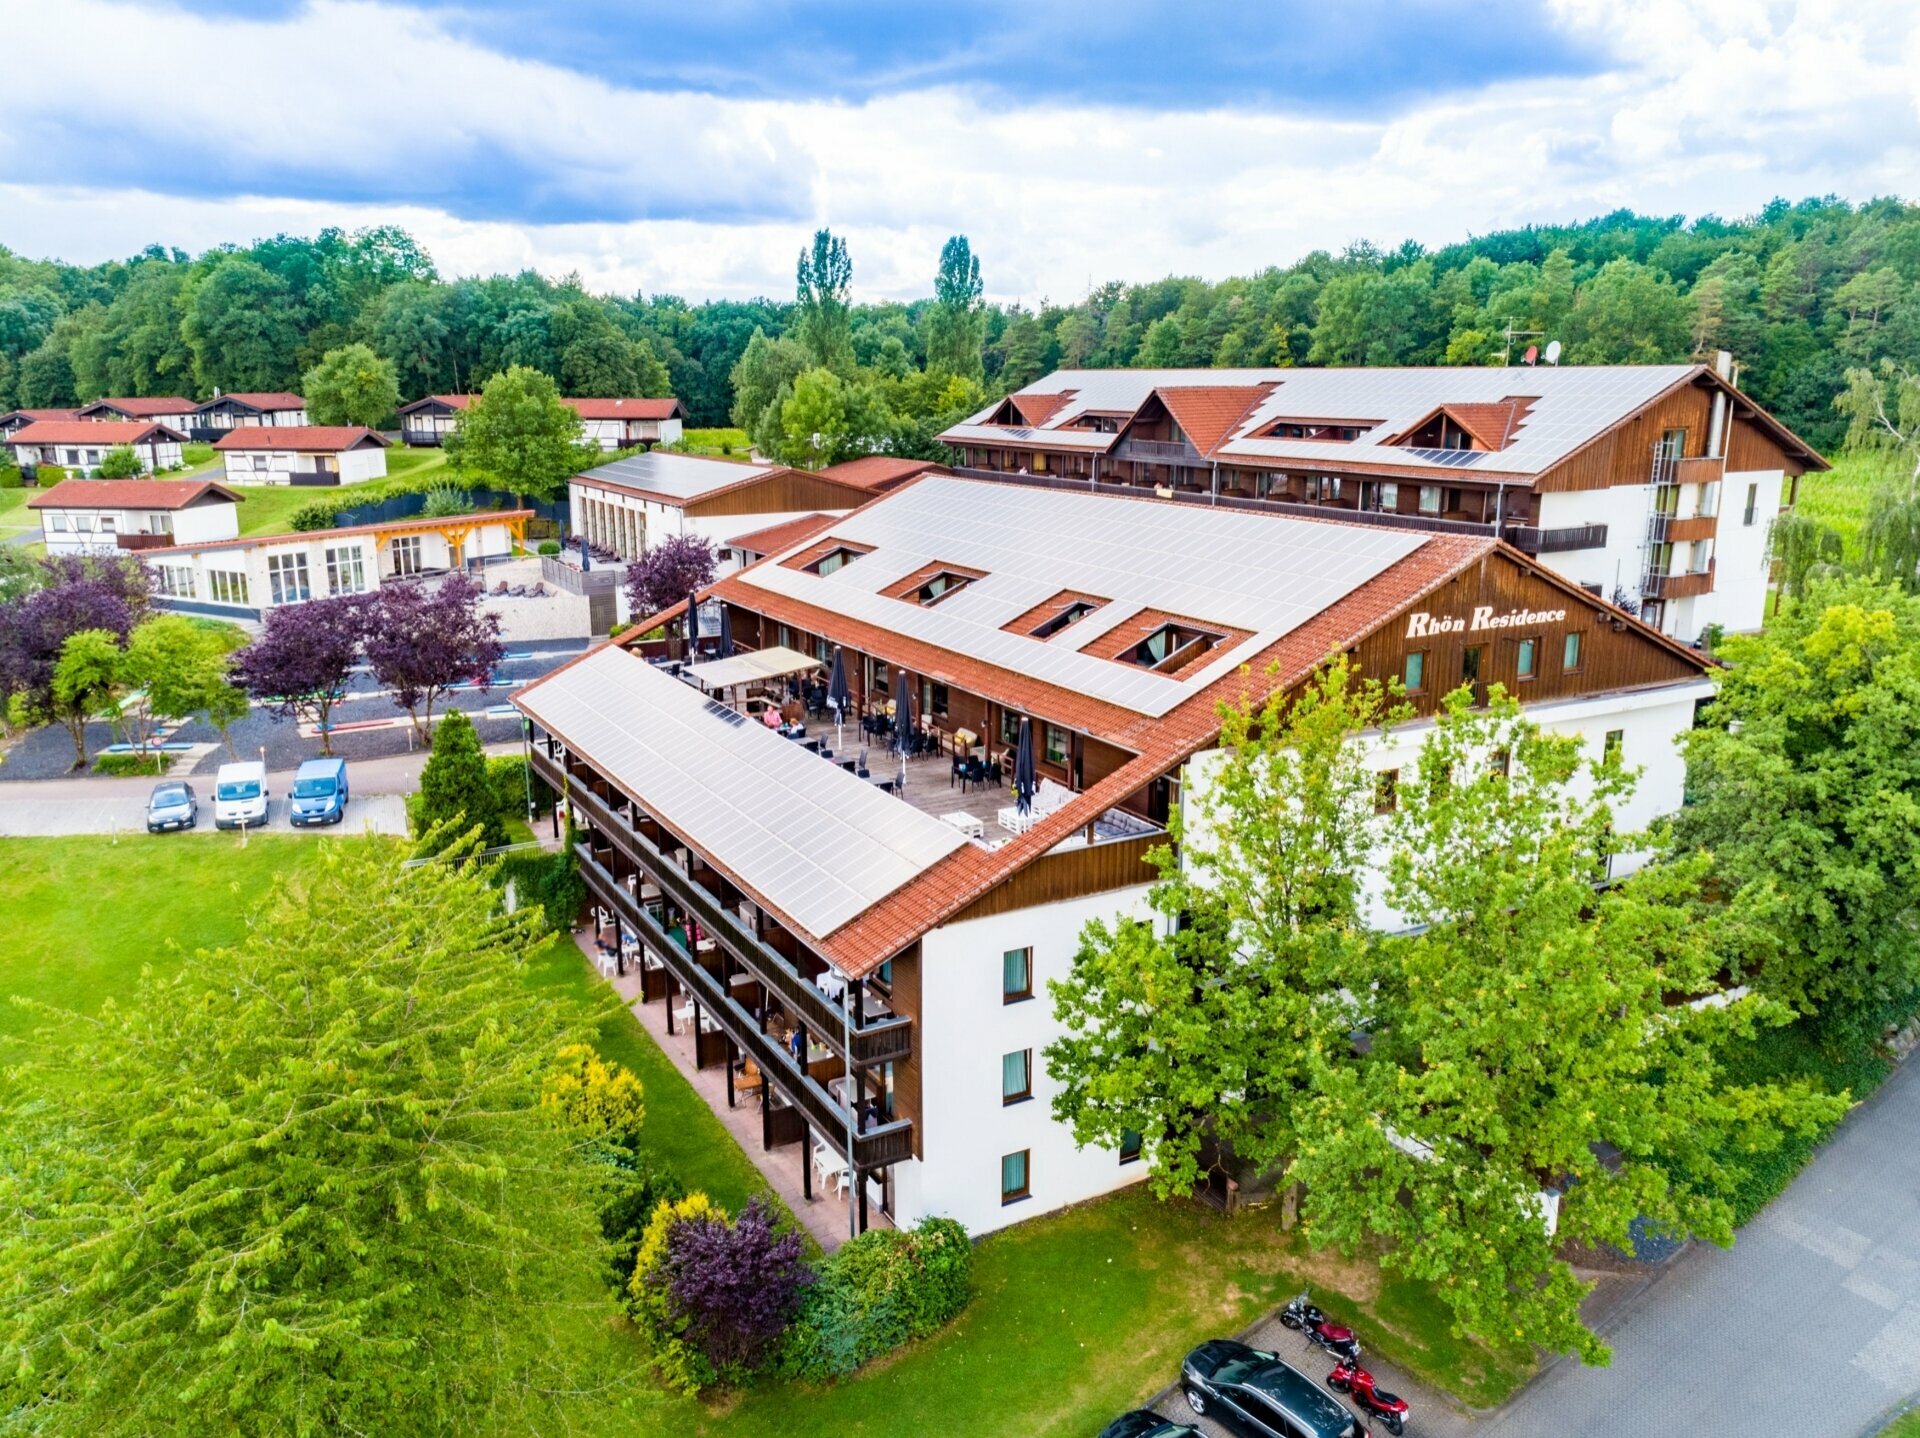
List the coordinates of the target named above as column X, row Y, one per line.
column 1799, row 293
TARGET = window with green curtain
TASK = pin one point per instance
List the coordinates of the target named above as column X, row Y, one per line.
column 1524, row 662
column 1416, row 671
column 1016, row 1076
column 1013, row 1176
column 1130, row 1145
column 1016, row 975
column 1570, row 653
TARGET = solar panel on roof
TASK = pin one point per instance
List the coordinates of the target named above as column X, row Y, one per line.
column 1451, row 458
column 724, row 714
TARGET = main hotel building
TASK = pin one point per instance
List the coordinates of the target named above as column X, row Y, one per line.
column 880, row 953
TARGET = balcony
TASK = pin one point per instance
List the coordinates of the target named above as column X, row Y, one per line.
column 876, row 1147
column 143, row 541
column 1694, row 527
column 1531, row 539
column 1698, row 471
column 874, row 1042
column 1679, row 586
column 1159, row 451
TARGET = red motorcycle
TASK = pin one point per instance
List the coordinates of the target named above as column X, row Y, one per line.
column 1336, row 1338
column 1349, row 1377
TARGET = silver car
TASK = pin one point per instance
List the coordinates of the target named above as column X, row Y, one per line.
column 172, row 805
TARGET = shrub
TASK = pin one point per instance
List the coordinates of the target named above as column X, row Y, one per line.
column 122, row 461
column 10, row 477
column 48, row 475
column 454, row 788
column 550, row 880
column 650, row 1298
column 508, row 776
column 549, row 546
column 598, row 1097
column 735, row 1286
column 618, row 627
column 879, row 1291
column 638, row 1183
column 320, row 513
column 150, row 766
column 444, row 501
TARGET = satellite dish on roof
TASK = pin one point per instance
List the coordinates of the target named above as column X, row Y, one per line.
column 1553, row 352
column 1532, row 354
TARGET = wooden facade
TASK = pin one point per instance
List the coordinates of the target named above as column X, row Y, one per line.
column 785, row 491
column 1614, row 653
column 903, row 996
column 1069, row 874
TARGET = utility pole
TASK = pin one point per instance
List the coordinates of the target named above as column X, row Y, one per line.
column 1512, row 334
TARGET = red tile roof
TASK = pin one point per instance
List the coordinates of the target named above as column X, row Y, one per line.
column 1210, row 413
column 259, row 400
column 881, row 472
column 31, row 414
column 666, row 408
column 1039, row 408
column 303, row 437
column 129, row 494
column 777, row 537
column 145, row 408
column 92, row 432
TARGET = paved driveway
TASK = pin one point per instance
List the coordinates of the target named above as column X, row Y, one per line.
column 127, row 813
column 1808, row 1326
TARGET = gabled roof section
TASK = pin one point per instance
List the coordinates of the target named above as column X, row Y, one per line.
column 305, row 438
column 1037, row 409
column 445, row 401
column 166, row 494
column 142, row 408
column 1491, row 425
column 257, row 400
column 777, row 537
column 1207, row 414
column 93, row 432
column 600, row 409
column 881, row 472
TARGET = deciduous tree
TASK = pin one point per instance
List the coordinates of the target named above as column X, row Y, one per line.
column 520, row 432
column 822, row 280
column 351, row 385
column 86, row 683
column 305, row 1185
column 667, row 573
column 299, row 666
column 69, row 595
column 422, row 640
column 180, row 668
column 956, row 321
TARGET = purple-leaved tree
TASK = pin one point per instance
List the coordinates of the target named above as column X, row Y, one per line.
column 423, row 639
column 668, row 572
column 75, row 594
column 737, row 1286
column 299, row 665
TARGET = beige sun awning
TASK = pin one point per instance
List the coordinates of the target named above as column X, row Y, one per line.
column 746, row 668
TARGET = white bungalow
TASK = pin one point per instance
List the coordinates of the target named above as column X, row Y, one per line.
column 302, row 454
column 172, row 410
column 78, row 445
column 102, row 516
column 230, row 411
column 610, row 423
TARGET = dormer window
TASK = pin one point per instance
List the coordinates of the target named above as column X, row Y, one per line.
column 1172, row 647
column 940, row 585
column 1331, row 431
column 1071, row 615
column 834, row 560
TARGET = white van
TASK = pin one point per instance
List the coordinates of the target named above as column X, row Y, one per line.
column 240, row 796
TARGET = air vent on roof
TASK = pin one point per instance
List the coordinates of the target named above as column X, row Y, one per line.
column 1450, row 458
column 721, row 712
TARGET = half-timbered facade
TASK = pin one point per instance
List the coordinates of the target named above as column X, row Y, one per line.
column 624, row 423
column 874, row 935
column 1655, row 485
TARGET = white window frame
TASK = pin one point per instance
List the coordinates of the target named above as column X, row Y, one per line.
column 279, row 567
column 227, row 586
column 346, row 562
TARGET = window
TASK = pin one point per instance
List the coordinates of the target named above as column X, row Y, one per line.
column 1386, row 791
column 1470, row 666
column 938, row 701
column 1014, row 1177
column 834, row 560
column 1429, row 499
column 175, row 580
column 226, row 586
column 406, row 554
column 1009, row 727
column 1072, row 614
column 1016, row 1076
column 1673, row 443
column 1523, row 662
column 109, row 524
column 1570, row 654
column 1171, row 647
column 1616, row 740
column 1416, row 673
column 1056, row 746
column 878, row 680
column 1389, row 496
column 1323, row 488
column 83, row 523
column 940, row 586
column 287, row 578
column 1130, row 1145
column 1501, row 762
column 1016, row 975
column 1753, row 504
column 345, row 572
column 59, row 524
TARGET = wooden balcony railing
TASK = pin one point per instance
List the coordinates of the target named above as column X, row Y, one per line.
column 1159, row 451
column 880, row 1041
column 1531, row 539
column 143, row 541
column 1695, row 526
column 874, row 1148
column 1680, row 586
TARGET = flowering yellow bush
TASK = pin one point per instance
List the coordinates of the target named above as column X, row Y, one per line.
column 600, row 1097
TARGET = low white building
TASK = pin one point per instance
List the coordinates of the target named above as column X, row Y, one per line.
column 302, row 454
column 229, row 411
column 609, row 423
column 632, row 504
column 102, row 516
column 174, row 411
column 1117, row 626
column 78, row 445
column 242, row 578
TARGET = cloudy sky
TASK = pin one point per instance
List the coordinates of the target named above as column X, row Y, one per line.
column 663, row 145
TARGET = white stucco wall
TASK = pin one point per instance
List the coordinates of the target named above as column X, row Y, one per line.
column 259, row 466
column 965, row 1031
column 1738, row 602
column 1623, row 509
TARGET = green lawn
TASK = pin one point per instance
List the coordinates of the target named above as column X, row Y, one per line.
column 14, row 514
column 1906, row 1426
column 1077, row 1316
column 729, row 443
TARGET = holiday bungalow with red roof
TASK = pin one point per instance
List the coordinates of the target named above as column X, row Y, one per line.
column 96, row 516
column 303, row 454
column 609, row 423
column 78, row 445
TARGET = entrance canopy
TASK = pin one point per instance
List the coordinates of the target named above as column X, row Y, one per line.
column 745, row 668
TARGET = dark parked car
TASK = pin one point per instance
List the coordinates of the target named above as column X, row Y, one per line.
column 172, row 805
column 1255, row 1395
column 1143, row 1423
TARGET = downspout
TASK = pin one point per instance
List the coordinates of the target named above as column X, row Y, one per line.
column 1216, row 482
column 846, row 1039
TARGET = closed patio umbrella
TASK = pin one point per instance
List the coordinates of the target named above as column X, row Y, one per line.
column 838, row 694
column 586, row 559
column 903, row 725
column 693, row 622
column 1023, row 777
column 726, row 632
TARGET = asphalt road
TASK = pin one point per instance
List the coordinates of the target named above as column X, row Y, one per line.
column 1809, row 1325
